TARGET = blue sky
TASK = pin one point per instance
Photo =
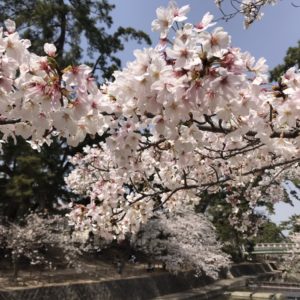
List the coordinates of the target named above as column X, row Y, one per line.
column 267, row 38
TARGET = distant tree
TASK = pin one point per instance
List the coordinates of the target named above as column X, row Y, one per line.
column 182, row 241
column 291, row 59
column 32, row 240
column 269, row 232
column 292, row 224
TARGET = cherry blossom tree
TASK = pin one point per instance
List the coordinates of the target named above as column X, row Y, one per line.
column 193, row 115
column 183, row 241
column 37, row 237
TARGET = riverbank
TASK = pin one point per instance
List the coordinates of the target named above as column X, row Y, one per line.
column 242, row 274
column 157, row 285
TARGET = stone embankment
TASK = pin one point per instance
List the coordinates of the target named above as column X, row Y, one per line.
column 160, row 286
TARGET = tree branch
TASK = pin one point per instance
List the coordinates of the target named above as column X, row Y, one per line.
column 8, row 122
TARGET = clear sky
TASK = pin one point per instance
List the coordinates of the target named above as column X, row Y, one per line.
column 284, row 210
column 267, row 38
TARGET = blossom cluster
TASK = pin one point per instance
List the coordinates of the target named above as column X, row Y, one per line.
column 192, row 115
column 38, row 100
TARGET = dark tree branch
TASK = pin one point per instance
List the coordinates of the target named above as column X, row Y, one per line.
column 7, row 122
column 284, row 134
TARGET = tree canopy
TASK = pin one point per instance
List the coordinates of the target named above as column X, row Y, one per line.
column 190, row 117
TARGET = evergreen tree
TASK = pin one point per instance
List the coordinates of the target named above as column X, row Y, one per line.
column 269, row 232
column 292, row 224
column 291, row 59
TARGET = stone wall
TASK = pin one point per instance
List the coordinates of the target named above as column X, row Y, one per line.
column 135, row 288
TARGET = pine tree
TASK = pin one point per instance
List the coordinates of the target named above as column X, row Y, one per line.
column 292, row 58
